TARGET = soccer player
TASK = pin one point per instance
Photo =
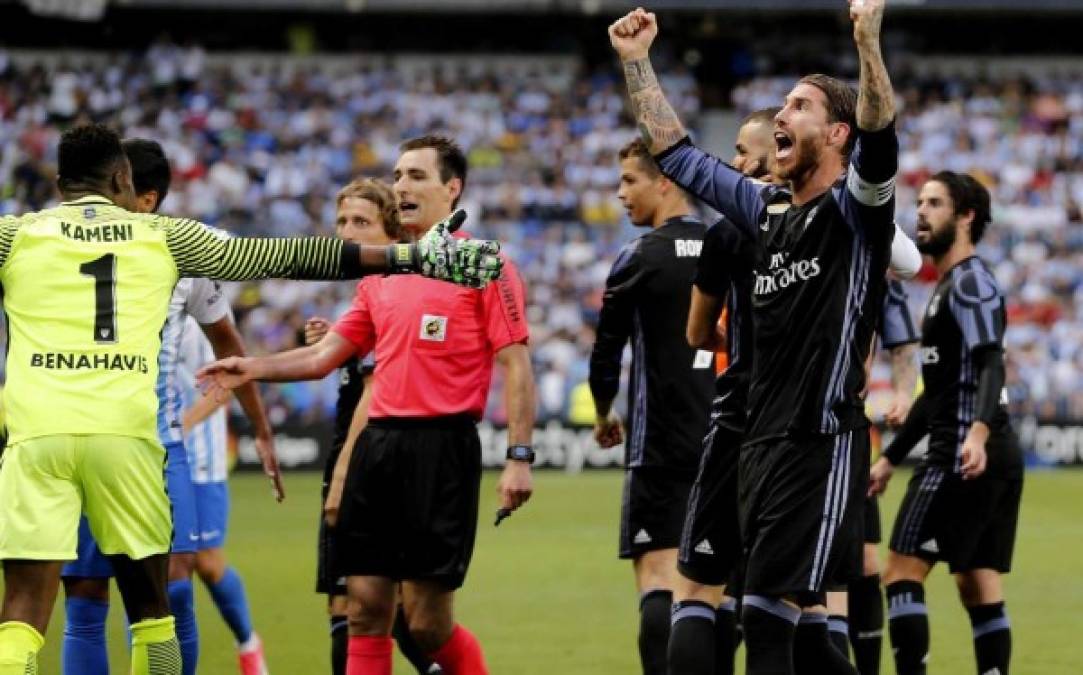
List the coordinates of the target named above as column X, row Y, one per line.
column 703, row 637
column 962, row 503
column 646, row 301
column 824, row 246
column 82, row 363
column 86, row 581
column 366, row 214
column 410, row 504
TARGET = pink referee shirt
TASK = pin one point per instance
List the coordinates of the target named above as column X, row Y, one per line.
column 434, row 341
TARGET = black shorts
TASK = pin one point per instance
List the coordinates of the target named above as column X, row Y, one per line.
column 328, row 582
column 969, row 524
column 710, row 539
column 873, row 533
column 652, row 509
column 800, row 504
column 410, row 508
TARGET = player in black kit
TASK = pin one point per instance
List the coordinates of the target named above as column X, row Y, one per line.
column 962, row 503
column 703, row 634
column 365, row 214
column 646, row 301
column 823, row 251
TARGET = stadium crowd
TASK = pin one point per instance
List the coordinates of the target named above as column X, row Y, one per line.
column 264, row 150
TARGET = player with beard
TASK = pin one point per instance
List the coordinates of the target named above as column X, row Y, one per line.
column 962, row 503
column 435, row 352
column 823, row 251
column 703, row 637
column 646, row 301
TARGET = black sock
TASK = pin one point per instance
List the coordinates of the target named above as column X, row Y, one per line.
column 654, row 611
column 838, row 629
column 409, row 649
column 866, row 623
column 340, row 637
column 992, row 637
column 769, row 626
column 725, row 637
column 813, row 651
column 691, row 639
column 908, row 625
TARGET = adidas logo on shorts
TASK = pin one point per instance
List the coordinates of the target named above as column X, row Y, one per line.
column 930, row 546
column 642, row 538
column 704, row 547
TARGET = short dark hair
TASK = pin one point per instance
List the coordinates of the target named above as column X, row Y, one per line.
column 841, row 104
column 638, row 149
column 150, row 168
column 762, row 116
column 87, row 156
column 967, row 194
column 450, row 158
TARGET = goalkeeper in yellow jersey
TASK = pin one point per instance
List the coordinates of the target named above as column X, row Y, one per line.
column 86, row 291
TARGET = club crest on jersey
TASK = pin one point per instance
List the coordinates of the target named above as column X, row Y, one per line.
column 90, row 213
column 433, row 328
column 934, row 304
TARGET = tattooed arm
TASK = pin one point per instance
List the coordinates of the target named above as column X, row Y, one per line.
column 631, row 36
column 875, row 98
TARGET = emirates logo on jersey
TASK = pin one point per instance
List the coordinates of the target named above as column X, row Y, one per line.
column 784, row 273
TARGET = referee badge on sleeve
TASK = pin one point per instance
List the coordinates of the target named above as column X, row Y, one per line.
column 433, row 328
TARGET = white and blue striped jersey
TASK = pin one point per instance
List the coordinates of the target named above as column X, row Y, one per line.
column 207, row 441
column 203, row 301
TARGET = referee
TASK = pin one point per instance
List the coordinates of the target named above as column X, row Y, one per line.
column 646, row 301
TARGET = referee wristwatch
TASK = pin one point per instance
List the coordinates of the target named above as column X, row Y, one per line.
column 521, row 453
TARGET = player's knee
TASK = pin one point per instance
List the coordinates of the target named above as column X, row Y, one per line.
column 979, row 587
column 370, row 614
column 87, row 588
column 871, row 561
column 181, row 566
column 210, row 565
column 430, row 631
column 905, row 568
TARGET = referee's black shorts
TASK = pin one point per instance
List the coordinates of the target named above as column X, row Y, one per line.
column 410, row 507
column 328, row 580
column 711, row 540
column 800, row 504
column 969, row 524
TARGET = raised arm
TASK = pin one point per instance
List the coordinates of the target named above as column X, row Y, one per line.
column 709, row 178
column 875, row 97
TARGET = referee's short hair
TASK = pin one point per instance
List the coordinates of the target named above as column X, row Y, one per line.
column 450, row 158
column 380, row 194
column 841, row 104
column 150, row 168
column 638, row 149
column 967, row 195
column 87, row 156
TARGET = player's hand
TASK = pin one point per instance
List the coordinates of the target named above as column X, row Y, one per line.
column 608, row 431
column 218, row 378
column 973, row 452
column 315, row 329
column 265, row 448
column 880, row 476
column 466, row 262
column 633, row 34
column 333, row 502
column 867, row 16
column 900, row 408
column 516, row 484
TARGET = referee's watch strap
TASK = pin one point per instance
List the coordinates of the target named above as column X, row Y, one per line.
column 520, row 453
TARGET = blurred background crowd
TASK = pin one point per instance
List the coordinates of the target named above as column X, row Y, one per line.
column 260, row 146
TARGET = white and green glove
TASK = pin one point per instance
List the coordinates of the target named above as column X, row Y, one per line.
column 439, row 255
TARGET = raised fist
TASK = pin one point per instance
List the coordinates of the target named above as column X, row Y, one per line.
column 867, row 16
column 632, row 35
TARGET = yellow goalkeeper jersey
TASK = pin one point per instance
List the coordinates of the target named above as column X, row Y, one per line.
column 86, row 288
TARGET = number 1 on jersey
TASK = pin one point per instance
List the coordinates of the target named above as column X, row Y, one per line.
column 104, row 271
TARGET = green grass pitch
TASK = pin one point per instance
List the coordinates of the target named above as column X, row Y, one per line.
column 546, row 593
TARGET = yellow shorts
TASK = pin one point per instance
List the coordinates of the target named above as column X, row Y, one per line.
column 118, row 481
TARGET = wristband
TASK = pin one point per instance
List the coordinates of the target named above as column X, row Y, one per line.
column 520, row 453
column 402, row 258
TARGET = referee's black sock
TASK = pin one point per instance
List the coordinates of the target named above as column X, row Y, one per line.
column 340, row 637
column 908, row 625
column 654, row 611
column 691, row 639
column 866, row 623
column 725, row 637
column 838, row 629
column 409, row 649
column 769, row 625
column 992, row 637
column 813, row 651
